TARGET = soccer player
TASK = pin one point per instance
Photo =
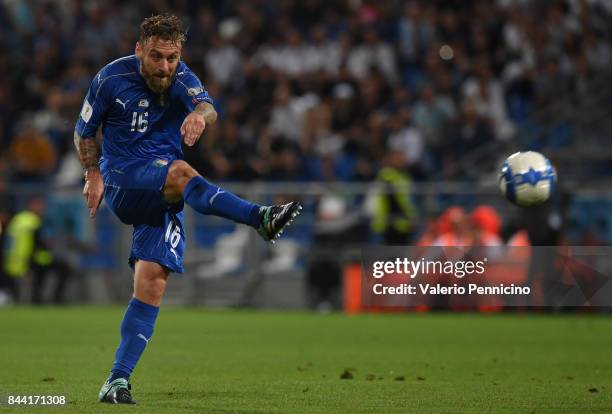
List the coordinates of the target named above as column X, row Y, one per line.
column 146, row 104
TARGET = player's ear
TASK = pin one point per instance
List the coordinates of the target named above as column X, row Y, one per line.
column 138, row 50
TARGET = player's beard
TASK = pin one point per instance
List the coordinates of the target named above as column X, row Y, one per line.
column 158, row 82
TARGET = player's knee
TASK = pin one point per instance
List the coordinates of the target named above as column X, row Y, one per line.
column 150, row 283
column 156, row 288
column 179, row 174
column 175, row 173
column 151, row 290
column 180, row 170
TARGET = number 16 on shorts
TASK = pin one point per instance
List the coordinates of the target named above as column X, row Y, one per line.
column 173, row 236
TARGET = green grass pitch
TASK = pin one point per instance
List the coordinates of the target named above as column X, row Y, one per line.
column 205, row 361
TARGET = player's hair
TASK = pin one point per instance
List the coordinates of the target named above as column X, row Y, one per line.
column 163, row 26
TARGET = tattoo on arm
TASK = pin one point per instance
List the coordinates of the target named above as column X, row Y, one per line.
column 207, row 111
column 88, row 152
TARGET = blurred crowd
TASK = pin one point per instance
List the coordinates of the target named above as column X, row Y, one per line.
column 312, row 90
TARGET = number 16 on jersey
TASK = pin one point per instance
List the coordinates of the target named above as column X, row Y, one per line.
column 140, row 121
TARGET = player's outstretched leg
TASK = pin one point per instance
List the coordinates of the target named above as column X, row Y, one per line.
column 136, row 330
column 184, row 182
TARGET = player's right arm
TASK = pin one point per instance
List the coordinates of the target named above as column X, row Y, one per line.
column 93, row 112
column 94, row 186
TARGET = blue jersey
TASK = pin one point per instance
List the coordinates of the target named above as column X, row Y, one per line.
column 136, row 122
column 141, row 131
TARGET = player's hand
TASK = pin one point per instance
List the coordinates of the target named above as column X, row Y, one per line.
column 192, row 128
column 93, row 191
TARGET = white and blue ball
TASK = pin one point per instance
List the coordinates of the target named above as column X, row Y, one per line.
column 527, row 178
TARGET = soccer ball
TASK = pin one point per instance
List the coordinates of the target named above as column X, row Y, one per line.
column 527, row 178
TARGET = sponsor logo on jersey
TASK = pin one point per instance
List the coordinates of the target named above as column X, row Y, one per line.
column 143, row 103
column 120, row 102
column 195, row 91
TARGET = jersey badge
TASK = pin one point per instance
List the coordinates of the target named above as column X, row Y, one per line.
column 195, row 91
column 86, row 111
column 160, row 163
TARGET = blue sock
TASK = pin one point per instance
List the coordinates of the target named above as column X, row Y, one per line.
column 207, row 198
column 136, row 331
column 118, row 374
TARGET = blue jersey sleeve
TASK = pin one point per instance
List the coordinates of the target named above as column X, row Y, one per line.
column 95, row 107
column 189, row 89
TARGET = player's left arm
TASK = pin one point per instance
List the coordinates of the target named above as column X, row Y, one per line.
column 197, row 102
column 194, row 124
